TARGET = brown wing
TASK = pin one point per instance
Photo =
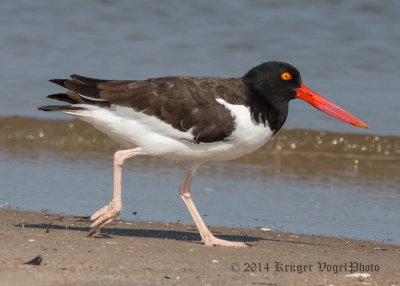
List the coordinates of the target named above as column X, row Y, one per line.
column 182, row 102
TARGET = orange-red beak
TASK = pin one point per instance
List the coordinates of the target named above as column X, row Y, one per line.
column 328, row 107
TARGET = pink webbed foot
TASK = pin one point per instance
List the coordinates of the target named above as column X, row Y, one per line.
column 104, row 216
column 213, row 241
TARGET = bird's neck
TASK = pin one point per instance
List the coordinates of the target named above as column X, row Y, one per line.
column 264, row 112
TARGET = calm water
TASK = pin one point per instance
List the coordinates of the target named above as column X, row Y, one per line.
column 346, row 50
column 341, row 184
column 226, row 194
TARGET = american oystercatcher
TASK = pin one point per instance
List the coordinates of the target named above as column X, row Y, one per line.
column 195, row 119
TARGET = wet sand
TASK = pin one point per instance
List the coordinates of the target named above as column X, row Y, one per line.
column 144, row 253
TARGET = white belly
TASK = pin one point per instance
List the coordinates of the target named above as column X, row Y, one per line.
column 157, row 138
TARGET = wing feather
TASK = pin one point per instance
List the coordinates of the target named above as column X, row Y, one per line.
column 183, row 102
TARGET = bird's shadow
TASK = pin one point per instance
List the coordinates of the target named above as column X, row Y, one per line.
column 146, row 233
column 156, row 233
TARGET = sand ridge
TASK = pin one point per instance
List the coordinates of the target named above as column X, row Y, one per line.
column 144, row 253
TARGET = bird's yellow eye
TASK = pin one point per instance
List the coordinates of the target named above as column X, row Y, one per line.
column 286, row 76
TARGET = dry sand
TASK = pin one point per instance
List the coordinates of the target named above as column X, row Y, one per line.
column 143, row 253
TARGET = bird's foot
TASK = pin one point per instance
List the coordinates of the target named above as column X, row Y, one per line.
column 213, row 241
column 105, row 215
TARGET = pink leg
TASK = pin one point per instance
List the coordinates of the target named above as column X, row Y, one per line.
column 107, row 214
column 206, row 236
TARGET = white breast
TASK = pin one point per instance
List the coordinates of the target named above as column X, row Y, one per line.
column 157, row 138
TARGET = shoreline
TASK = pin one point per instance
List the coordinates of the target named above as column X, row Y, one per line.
column 152, row 253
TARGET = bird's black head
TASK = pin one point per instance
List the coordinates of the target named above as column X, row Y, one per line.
column 275, row 81
column 274, row 84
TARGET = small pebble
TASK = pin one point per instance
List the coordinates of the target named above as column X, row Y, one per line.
column 265, row 229
column 35, row 261
column 357, row 275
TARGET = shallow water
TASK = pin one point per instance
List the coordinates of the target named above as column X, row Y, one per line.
column 346, row 50
column 344, row 185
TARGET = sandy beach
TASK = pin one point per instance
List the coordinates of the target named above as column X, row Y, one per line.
column 151, row 253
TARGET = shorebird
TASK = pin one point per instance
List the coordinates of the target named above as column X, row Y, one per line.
column 194, row 119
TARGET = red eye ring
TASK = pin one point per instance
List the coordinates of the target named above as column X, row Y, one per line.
column 286, row 76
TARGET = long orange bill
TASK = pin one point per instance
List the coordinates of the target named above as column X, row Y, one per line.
column 328, row 107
